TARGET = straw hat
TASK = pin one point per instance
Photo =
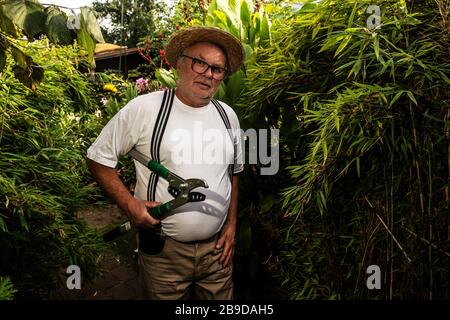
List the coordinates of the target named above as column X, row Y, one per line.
column 187, row 37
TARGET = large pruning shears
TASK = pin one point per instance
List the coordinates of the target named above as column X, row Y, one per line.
column 179, row 188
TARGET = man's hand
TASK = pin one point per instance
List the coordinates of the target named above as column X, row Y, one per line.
column 227, row 242
column 228, row 234
column 137, row 213
column 136, row 210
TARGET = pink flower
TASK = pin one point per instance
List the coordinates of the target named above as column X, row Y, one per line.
column 142, row 85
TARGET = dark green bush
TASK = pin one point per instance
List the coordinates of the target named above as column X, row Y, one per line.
column 363, row 118
column 43, row 177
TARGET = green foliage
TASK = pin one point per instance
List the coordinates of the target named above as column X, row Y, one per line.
column 43, row 180
column 31, row 18
column 112, row 103
column 363, row 118
column 7, row 290
column 249, row 24
column 168, row 78
column 189, row 12
column 132, row 22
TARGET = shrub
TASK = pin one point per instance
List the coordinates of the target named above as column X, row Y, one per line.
column 363, row 118
column 44, row 135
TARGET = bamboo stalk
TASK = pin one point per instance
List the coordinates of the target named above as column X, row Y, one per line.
column 391, row 221
column 430, row 225
column 447, row 116
column 394, row 238
column 426, row 241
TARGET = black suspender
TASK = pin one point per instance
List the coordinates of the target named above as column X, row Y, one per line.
column 158, row 131
column 226, row 121
column 160, row 127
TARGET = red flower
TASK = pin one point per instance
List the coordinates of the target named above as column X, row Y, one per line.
column 162, row 53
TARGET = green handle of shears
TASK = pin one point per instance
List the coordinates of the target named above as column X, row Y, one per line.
column 159, row 211
column 158, row 168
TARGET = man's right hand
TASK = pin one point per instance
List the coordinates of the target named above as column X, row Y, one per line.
column 138, row 213
column 136, row 210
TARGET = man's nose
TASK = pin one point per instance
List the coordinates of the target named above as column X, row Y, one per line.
column 208, row 73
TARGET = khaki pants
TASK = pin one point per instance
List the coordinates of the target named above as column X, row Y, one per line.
column 185, row 271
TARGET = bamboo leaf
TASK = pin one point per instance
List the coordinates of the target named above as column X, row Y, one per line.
column 325, row 150
column 315, row 149
column 376, row 47
column 355, row 69
column 23, row 222
column 358, row 167
column 331, row 41
column 352, row 15
column 337, row 123
column 343, row 44
column 411, row 97
column 396, row 97
column 315, row 31
column 323, row 199
column 319, row 203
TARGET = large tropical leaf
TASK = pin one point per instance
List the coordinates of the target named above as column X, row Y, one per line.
column 6, row 24
column 56, row 26
column 167, row 78
column 86, row 42
column 26, row 70
column 26, row 14
column 30, row 76
column 92, row 26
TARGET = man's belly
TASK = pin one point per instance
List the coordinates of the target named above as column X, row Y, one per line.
column 192, row 225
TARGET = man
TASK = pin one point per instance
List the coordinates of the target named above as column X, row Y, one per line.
column 187, row 254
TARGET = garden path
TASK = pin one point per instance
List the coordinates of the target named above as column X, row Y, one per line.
column 120, row 278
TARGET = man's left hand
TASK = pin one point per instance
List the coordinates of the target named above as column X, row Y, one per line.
column 227, row 242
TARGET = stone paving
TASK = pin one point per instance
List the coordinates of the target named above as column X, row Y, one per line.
column 120, row 278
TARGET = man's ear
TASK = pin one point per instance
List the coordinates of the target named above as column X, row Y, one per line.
column 179, row 63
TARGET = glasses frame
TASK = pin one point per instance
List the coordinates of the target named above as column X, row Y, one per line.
column 213, row 68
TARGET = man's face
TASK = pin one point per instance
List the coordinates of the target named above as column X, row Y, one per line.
column 194, row 89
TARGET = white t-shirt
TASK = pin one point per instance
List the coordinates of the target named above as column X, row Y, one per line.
column 195, row 144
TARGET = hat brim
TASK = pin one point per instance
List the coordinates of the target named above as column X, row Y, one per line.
column 187, row 37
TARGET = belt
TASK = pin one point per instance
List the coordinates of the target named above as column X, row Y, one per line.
column 210, row 239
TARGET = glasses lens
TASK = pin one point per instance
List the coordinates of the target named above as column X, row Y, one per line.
column 199, row 66
column 218, row 74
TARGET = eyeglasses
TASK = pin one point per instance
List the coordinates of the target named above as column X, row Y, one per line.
column 200, row 66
